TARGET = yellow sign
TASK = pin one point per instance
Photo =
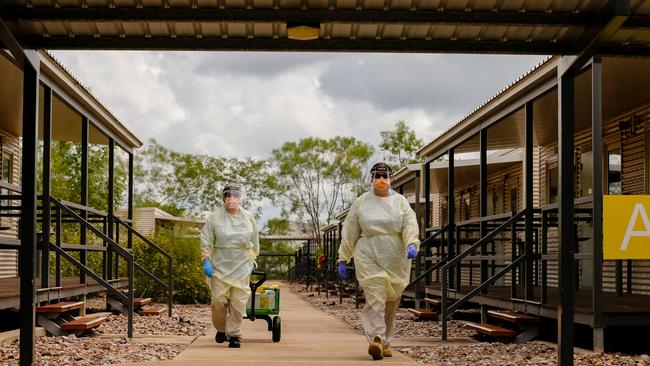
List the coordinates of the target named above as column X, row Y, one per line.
column 626, row 228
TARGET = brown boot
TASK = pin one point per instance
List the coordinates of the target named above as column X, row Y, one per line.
column 385, row 351
column 374, row 349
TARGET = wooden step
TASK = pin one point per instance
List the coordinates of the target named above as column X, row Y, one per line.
column 409, row 294
column 60, row 307
column 152, row 310
column 491, row 330
column 84, row 323
column 424, row 313
column 141, row 301
column 431, row 301
column 359, row 299
column 513, row 317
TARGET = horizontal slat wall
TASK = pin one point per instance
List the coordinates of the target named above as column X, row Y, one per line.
column 9, row 258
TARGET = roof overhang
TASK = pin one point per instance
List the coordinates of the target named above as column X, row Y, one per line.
column 527, row 27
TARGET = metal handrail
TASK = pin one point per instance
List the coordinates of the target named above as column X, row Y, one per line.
column 447, row 310
column 170, row 263
column 483, row 240
column 110, row 243
column 424, row 274
column 142, row 237
column 485, row 284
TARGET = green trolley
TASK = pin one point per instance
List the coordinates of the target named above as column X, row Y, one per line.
column 265, row 304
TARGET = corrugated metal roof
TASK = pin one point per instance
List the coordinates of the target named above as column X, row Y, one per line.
column 508, row 26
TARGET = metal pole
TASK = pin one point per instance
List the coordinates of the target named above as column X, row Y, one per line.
column 84, row 194
column 419, row 288
column 111, row 201
column 565, row 218
column 451, row 214
column 47, row 164
column 27, row 253
column 483, row 176
column 597, row 184
column 130, row 201
column 528, row 192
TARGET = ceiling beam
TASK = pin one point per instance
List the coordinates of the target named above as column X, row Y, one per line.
column 504, row 18
column 284, row 44
column 615, row 13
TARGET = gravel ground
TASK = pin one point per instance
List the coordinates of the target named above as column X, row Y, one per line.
column 532, row 353
column 70, row 350
column 406, row 324
column 480, row 354
column 190, row 320
column 187, row 320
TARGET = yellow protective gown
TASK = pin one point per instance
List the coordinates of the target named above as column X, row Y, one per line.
column 376, row 233
column 232, row 243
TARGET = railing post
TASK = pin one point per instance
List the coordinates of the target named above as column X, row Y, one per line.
column 170, row 295
column 83, row 238
column 483, row 175
column 451, row 217
column 443, row 305
column 528, row 200
column 59, row 229
column 544, row 229
column 131, row 272
column 513, row 254
column 47, row 164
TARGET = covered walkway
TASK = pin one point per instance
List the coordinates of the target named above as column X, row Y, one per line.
column 309, row 337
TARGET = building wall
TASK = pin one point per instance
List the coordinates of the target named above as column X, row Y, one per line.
column 9, row 258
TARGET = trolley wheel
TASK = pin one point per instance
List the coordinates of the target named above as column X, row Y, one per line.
column 277, row 329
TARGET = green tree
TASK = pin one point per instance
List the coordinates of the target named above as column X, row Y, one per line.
column 65, row 175
column 191, row 184
column 400, row 144
column 316, row 177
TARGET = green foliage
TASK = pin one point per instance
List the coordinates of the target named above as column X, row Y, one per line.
column 191, row 184
column 66, row 174
column 317, row 177
column 190, row 286
column 400, row 144
column 275, row 267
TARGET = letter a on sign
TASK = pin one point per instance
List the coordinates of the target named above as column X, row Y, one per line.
column 626, row 227
column 630, row 232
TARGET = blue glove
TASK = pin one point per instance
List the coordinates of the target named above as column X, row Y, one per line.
column 207, row 268
column 343, row 270
column 411, row 251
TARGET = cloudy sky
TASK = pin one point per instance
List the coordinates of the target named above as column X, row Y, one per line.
column 246, row 104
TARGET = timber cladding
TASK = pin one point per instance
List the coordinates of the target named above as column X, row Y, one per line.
column 11, row 155
column 625, row 134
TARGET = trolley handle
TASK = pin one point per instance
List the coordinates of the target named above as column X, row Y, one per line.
column 254, row 286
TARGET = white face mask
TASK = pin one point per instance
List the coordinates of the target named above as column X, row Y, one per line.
column 232, row 203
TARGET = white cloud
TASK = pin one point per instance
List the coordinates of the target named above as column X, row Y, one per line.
column 237, row 104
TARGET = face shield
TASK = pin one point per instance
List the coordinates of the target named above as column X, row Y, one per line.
column 232, row 197
column 381, row 176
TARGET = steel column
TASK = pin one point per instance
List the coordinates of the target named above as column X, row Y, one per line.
column 566, row 225
column 47, row 165
column 419, row 288
column 597, row 184
column 528, row 200
column 483, row 177
column 83, row 238
column 111, row 200
column 451, row 214
column 130, row 199
column 27, row 253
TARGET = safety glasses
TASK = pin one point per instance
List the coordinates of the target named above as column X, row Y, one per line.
column 378, row 175
column 232, row 194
